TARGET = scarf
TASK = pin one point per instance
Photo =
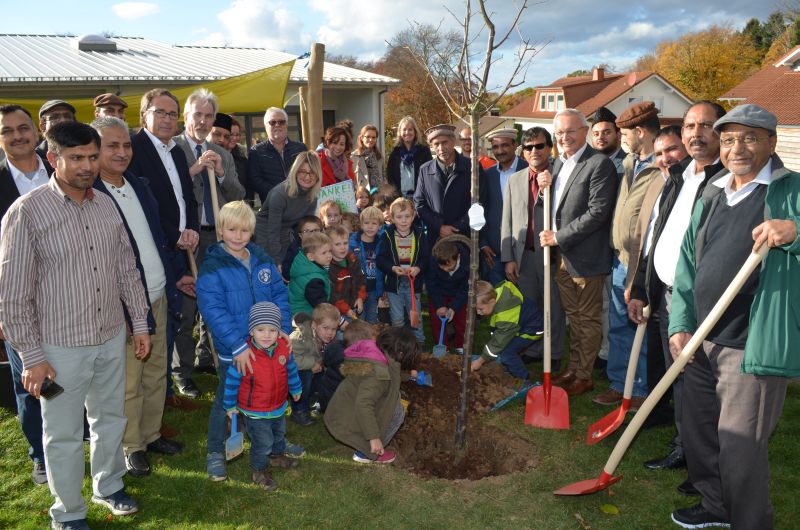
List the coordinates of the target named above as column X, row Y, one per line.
column 338, row 164
column 407, row 155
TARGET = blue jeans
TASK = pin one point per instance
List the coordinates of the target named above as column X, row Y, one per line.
column 217, row 419
column 267, row 437
column 371, row 307
column 28, row 408
column 310, row 382
column 400, row 302
column 620, row 337
column 511, row 360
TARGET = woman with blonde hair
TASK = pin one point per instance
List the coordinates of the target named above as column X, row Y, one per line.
column 367, row 158
column 409, row 153
column 288, row 202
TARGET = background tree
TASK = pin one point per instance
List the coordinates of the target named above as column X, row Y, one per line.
column 462, row 80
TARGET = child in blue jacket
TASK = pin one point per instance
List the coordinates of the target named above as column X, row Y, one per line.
column 235, row 275
column 365, row 245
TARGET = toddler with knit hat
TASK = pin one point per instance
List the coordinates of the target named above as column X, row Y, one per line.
column 260, row 394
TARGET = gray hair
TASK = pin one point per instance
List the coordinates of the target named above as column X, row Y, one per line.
column 570, row 112
column 201, row 95
column 276, row 110
column 106, row 122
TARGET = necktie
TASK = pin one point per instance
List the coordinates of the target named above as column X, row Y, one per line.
column 208, row 207
column 534, row 194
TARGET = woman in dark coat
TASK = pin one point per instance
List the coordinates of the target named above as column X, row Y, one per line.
column 409, row 153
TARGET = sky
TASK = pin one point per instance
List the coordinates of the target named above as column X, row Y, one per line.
column 568, row 34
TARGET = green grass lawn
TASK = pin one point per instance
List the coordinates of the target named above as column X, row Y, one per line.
column 328, row 490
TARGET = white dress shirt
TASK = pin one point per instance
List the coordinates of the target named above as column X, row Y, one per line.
column 174, row 179
column 24, row 182
column 567, row 167
column 734, row 197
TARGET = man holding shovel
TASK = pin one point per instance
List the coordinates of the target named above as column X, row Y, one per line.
column 737, row 382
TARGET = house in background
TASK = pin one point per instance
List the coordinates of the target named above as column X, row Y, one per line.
column 63, row 67
column 587, row 93
column 776, row 88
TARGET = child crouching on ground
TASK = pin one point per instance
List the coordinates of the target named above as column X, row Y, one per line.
column 448, row 281
column 516, row 323
column 235, row 274
column 261, row 394
column 365, row 412
column 313, row 339
column 333, row 357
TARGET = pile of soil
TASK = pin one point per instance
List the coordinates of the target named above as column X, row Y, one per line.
column 425, row 442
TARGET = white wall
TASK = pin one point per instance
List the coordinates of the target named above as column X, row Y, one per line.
column 788, row 147
column 672, row 104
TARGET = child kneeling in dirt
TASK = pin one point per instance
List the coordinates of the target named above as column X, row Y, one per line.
column 365, row 412
column 516, row 323
column 333, row 357
column 261, row 394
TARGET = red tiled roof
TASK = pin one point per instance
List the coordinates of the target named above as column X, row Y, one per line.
column 756, row 82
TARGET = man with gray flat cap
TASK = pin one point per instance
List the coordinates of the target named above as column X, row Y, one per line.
column 736, row 383
column 52, row 112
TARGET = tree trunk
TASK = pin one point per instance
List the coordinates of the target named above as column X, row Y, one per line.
column 469, row 333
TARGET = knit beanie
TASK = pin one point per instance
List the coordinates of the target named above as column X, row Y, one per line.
column 265, row 313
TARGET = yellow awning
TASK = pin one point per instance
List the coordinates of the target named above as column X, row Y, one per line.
column 250, row 92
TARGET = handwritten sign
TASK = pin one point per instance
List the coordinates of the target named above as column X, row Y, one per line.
column 342, row 193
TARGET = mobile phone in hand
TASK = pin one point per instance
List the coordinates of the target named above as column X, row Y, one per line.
column 50, row 389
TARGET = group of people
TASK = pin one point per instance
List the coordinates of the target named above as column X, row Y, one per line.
column 286, row 301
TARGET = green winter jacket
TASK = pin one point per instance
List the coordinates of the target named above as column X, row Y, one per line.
column 303, row 271
column 513, row 316
column 774, row 324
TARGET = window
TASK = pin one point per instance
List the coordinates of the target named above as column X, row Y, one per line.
column 560, row 102
column 542, row 102
column 551, row 101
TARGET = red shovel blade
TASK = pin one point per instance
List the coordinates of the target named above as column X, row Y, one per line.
column 547, row 406
column 586, row 487
column 608, row 423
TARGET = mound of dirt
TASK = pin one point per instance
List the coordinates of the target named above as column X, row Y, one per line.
column 425, row 442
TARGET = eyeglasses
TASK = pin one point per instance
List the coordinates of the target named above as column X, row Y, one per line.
column 748, row 139
column 303, row 173
column 164, row 114
column 530, row 147
column 568, row 132
column 59, row 116
column 465, row 139
column 273, row 123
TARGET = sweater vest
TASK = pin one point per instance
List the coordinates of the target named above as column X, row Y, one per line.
column 266, row 387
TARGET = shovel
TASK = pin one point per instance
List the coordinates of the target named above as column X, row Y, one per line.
column 607, row 477
column 424, row 379
column 440, row 349
column 611, row 421
column 547, row 406
column 413, row 315
column 519, row 394
column 234, row 445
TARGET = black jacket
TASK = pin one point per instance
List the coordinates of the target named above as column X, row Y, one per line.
column 422, row 155
column 267, row 168
column 432, row 194
column 387, row 258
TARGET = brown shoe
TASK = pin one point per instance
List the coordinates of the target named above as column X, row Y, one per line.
column 609, row 398
column 564, row 378
column 177, row 402
column 168, row 432
column 579, row 386
column 636, row 403
column 282, row 461
column 264, row 480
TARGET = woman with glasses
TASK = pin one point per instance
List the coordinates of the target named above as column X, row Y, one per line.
column 287, row 203
column 336, row 165
column 409, row 153
column 367, row 159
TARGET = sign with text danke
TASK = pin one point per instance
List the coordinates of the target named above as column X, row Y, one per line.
column 342, row 193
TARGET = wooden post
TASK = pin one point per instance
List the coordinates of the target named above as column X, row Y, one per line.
column 315, row 68
column 303, row 101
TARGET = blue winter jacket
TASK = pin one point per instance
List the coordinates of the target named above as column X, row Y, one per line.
column 226, row 291
column 357, row 247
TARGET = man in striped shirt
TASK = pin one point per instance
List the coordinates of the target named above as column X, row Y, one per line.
column 66, row 269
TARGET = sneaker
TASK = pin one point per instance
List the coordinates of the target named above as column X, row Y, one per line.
column 294, row 450
column 215, row 466
column 120, row 503
column 459, row 351
column 636, row 404
column 187, row 388
column 75, row 524
column 302, row 418
column 39, row 473
column 698, row 517
column 283, row 462
column 264, row 479
column 386, row 458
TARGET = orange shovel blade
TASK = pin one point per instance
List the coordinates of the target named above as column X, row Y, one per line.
column 585, row 487
column 608, row 423
column 547, row 407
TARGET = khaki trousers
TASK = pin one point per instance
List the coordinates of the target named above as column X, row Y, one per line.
column 145, row 386
column 582, row 299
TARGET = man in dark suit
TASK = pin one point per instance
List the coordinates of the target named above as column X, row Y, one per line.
column 22, row 171
column 495, row 182
column 584, row 189
column 202, row 156
column 445, row 180
column 158, row 158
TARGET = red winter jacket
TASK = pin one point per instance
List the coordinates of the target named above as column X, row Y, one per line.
column 266, row 387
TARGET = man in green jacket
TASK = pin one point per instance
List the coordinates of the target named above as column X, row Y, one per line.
column 735, row 387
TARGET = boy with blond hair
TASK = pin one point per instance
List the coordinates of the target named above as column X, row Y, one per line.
column 235, row 274
column 330, row 213
column 348, row 291
column 403, row 257
column 309, row 284
column 365, row 245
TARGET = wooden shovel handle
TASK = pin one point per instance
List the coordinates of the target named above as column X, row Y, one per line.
column 697, row 339
column 212, row 181
column 548, row 350
column 636, row 348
